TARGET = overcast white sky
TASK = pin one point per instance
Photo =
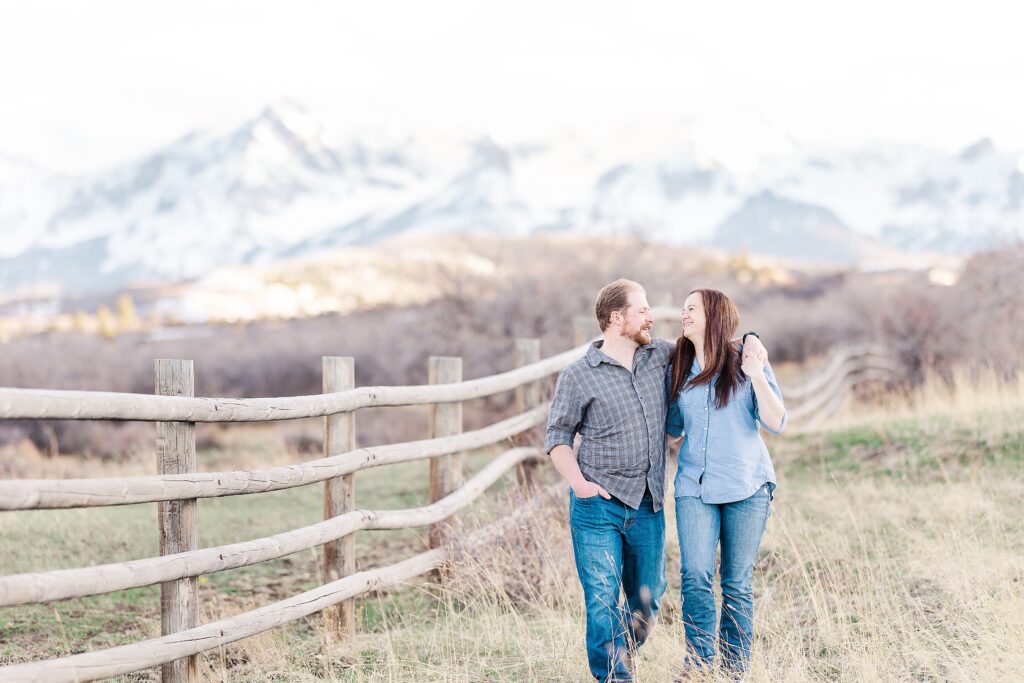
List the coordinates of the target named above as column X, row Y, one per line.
column 88, row 84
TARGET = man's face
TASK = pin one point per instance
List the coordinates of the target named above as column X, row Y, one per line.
column 637, row 320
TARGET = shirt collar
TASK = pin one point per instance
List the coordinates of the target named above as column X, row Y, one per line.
column 695, row 370
column 595, row 357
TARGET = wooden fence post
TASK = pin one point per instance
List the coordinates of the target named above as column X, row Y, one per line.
column 584, row 328
column 176, row 454
column 339, row 495
column 527, row 397
column 666, row 328
column 445, row 420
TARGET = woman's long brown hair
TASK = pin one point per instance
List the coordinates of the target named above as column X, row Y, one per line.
column 720, row 355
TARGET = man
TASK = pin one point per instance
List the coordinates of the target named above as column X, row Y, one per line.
column 614, row 397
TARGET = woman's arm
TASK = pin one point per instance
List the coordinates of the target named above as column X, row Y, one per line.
column 674, row 425
column 770, row 410
column 674, row 443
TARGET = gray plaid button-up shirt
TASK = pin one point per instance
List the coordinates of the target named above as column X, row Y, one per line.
column 620, row 416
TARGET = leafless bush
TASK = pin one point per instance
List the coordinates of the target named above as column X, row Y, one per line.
column 97, row 438
column 988, row 309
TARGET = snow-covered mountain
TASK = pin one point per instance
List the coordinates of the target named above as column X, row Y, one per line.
column 281, row 185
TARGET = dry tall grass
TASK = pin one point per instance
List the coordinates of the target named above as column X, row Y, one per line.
column 961, row 391
column 895, row 552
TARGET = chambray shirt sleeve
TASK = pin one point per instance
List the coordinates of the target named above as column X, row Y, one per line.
column 566, row 413
column 773, row 383
column 674, row 421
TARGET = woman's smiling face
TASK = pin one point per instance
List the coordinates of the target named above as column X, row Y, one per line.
column 694, row 320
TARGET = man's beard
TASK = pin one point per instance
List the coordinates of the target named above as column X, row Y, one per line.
column 642, row 336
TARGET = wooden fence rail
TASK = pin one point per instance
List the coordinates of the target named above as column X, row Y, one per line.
column 143, row 655
column 177, row 487
column 822, row 395
column 842, row 361
column 36, row 587
column 37, row 494
column 99, row 405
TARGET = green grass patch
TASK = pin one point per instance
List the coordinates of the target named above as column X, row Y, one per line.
column 922, row 449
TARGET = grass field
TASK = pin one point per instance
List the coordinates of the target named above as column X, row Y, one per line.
column 895, row 552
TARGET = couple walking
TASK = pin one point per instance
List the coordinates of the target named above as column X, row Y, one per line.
column 626, row 398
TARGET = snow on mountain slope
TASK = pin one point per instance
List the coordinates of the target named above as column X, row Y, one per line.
column 674, row 200
column 281, row 185
column 243, row 197
column 911, row 198
column 208, row 200
column 27, row 197
column 961, row 203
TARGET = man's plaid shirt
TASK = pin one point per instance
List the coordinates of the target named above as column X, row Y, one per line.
column 621, row 418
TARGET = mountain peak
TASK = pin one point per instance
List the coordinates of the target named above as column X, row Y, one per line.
column 982, row 147
column 285, row 120
column 283, row 130
column 489, row 154
column 285, row 110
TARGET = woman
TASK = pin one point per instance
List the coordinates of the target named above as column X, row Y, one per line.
column 725, row 480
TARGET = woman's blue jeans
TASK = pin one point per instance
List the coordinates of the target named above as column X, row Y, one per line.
column 617, row 548
column 738, row 527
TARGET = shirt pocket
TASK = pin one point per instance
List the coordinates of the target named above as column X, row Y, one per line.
column 694, row 401
column 655, row 370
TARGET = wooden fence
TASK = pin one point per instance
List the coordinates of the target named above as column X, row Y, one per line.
column 178, row 485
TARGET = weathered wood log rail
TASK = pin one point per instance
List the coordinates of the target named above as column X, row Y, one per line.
column 178, row 486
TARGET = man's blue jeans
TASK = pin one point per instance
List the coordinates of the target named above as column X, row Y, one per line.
column 616, row 546
column 739, row 527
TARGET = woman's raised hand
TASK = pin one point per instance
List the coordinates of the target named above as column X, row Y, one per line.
column 753, row 363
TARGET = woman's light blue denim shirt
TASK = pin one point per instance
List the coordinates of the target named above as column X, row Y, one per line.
column 723, row 458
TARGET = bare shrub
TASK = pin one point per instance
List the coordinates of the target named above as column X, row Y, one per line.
column 990, row 305
column 97, row 438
